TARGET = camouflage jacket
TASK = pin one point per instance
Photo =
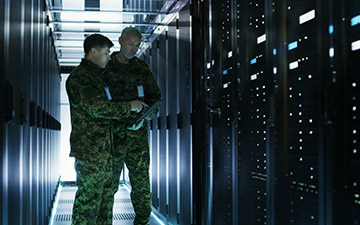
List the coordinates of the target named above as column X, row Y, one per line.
column 91, row 113
column 125, row 80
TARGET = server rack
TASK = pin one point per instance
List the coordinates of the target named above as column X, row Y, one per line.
column 305, row 63
column 350, row 23
column 30, row 109
column 170, row 131
column 2, row 18
column 290, row 153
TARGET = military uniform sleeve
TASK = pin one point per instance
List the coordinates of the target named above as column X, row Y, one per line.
column 85, row 95
column 152, row 91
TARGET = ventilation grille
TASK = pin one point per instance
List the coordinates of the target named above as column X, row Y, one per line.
column 119, row 200
column 122, row 200
column 66, row 201
column 116, row 216
column 62, row 217
column 124, row 216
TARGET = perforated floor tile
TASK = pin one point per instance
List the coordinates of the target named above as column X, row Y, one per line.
column 123, row 213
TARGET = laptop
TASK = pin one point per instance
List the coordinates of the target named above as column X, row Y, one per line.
column 143, row 114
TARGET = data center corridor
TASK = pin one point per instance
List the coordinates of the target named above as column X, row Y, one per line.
column 259, row 122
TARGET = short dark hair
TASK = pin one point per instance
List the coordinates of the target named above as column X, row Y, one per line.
column 96, row 41
column 131, row 30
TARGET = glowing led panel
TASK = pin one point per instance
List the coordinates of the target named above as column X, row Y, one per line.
column 355, row 20
column 292, row 45
column 307, row 17
column 355, row 45
column 261, row 38
column 294, row 65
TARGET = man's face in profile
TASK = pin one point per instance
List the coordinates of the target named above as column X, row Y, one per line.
column 102, row 56
column 129, row 45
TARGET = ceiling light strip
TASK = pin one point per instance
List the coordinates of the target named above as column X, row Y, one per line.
column 58, row 10
column 109, row 23
column 91, row 32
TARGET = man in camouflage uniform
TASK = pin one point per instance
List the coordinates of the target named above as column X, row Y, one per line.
column 91, row 135
column 129, row 78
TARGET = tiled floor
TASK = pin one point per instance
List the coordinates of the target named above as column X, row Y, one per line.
column 123, row 213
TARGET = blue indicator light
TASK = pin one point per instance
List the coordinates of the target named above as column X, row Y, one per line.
column 331, row 29
column 293, row 45
column 299, row 94
column 300, row 105
column 253, row 61
column 355, row 20
column 274, row 51
column 225, row 72
column 299, row 78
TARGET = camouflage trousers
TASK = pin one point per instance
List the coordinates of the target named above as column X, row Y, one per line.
column 94, row 197
column 133, row 150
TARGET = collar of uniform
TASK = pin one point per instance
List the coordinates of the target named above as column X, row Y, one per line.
column 114, row 61
column 95, row 69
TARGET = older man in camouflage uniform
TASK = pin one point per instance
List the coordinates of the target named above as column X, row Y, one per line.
column 129, row 78
column 91, row 135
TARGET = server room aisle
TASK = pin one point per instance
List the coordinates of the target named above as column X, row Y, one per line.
column 123, row 211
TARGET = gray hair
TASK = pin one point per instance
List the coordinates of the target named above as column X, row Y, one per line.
column 131, row 30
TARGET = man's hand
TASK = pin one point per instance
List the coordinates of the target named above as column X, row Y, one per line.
column 137, row 105
column 136, row 126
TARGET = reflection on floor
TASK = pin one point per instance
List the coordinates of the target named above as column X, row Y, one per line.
column 123, row 213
